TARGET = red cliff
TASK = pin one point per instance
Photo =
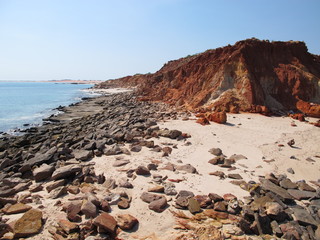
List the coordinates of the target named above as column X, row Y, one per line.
column 251, row 76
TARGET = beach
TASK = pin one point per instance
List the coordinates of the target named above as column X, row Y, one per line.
column 115, row 150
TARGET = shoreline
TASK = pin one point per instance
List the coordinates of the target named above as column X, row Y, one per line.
column 50, row 114
column 113, row 148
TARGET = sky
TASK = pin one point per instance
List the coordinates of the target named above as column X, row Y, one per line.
column 104, row 39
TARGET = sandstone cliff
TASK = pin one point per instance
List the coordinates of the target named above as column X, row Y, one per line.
column 252, row 75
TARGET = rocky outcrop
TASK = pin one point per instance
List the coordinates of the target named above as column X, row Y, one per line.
column 252, row 76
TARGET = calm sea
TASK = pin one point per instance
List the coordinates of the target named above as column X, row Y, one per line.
column 29, row 102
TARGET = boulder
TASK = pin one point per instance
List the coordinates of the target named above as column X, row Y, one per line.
column 301, row 195
column 218, row 117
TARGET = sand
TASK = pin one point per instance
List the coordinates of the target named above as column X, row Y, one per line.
column 254, row 136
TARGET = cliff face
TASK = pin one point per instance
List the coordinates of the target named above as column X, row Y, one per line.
column 251, row 75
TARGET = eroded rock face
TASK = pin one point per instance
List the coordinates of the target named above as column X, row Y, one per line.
column 252, row 76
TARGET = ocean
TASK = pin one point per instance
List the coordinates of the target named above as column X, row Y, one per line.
column 25, row 104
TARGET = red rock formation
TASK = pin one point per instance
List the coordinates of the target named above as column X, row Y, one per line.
column 252, row 75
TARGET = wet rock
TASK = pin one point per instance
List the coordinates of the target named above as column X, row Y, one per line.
column 30, row 223
column 215, row 151
column 193, row 206
column 142, row 170
column 158, row 205
column 106, row 223
column 43, row 172
column 126, row 221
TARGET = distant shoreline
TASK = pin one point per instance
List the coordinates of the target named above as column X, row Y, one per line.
column 58, row 81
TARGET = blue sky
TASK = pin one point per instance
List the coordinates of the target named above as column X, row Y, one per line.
column 102, row 39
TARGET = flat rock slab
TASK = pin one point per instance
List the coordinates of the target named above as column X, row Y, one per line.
column 301, row 195
column 193, row 206
column 17, row 208
column 303, row 217
column 150, row 197
column 65, row 171
column 119, row 163
column 30, row 223
column 269, row 186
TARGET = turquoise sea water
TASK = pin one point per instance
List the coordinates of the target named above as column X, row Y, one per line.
column 29, row 102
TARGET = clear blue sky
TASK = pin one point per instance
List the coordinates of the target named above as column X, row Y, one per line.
column 102, row 39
